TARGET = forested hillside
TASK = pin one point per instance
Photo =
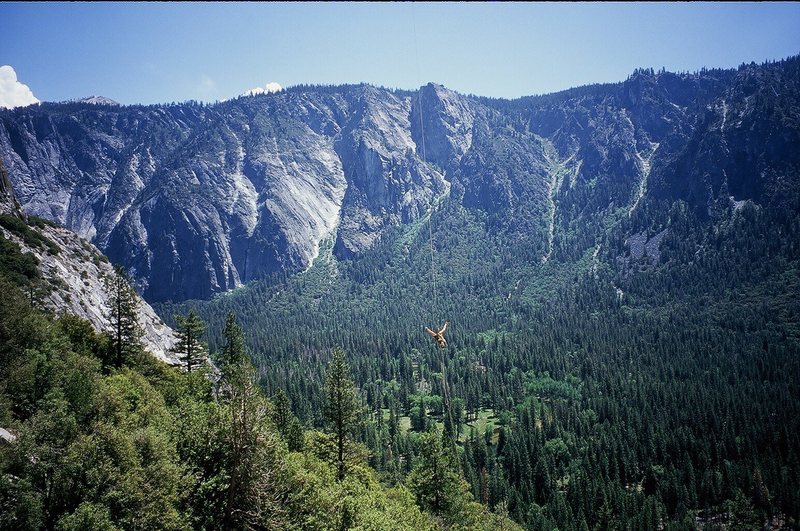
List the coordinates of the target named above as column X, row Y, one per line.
column 583, row 393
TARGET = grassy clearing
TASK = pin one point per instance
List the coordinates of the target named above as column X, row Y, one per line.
column 486, row 418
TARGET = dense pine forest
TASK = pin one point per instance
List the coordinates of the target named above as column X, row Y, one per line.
column 580, row 395
column 644, row 374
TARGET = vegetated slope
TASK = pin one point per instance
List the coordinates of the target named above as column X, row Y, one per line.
column 85, row 445
column 640, row 359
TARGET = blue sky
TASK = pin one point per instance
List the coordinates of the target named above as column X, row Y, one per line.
column 163, row 52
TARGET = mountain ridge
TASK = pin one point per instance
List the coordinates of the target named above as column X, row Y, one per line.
column 619, row 266
column 231, row 192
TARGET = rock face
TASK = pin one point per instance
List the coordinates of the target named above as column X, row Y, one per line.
column 194, row 200
column 197, row 199
column 8, row 201
column 98, row 100
column 74, row 270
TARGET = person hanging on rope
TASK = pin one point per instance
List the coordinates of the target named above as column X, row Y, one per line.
column 439, row 336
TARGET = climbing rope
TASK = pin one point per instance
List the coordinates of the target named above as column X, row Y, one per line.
column 433, row 265
column 435, row 306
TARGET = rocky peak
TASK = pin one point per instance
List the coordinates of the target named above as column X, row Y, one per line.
column 388, row 184
column 446, row 119
column 97, row 100
column 218, row 195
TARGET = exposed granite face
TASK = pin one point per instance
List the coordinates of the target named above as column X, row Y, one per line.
column 641, row 247
column 195, row 200
column 446, row 119
column 8, row 201
column 388, row 182
column 75, row 275
column 198, row 199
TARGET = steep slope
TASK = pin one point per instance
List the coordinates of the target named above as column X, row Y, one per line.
column 624, row 316
column 73, row 270
column 619, row 264
column 225, row 194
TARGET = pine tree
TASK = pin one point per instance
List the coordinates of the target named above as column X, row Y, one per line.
column 342, row 409
column 189, row 347
column 288, row 425
column 252, row 447
column 761, row 496
column 419, row 417
column 126, row 333
column 294, row 435
column 435, row 480
column 281, row 412
column 234, row 351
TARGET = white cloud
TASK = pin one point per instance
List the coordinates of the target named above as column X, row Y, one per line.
column 207, row 87
column 270, row 87
column 273, row 87
column 12, row 92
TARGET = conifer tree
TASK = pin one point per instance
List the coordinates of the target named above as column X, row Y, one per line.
column 126, row 333
column 251, row 446
column 189, row 347
column 288, row 425
column 435, row 480
column 294, row 435
column 234, row 351
column 281, row 412
column 342, row 409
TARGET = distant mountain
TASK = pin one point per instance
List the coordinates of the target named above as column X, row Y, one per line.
column 97, row 100
column 197, row 199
